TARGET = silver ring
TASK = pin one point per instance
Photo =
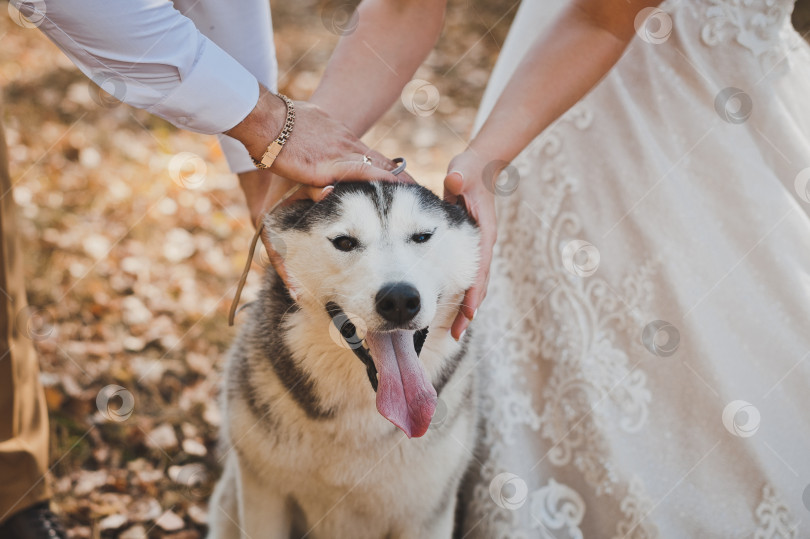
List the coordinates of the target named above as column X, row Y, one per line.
column 400, row 161
column 366, row 160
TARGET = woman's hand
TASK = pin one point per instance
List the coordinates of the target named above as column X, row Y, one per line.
column 470, row 179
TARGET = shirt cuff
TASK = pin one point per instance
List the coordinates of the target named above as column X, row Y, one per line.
column 236, row 155
column 216, row 95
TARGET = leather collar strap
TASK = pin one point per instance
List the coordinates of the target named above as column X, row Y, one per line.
column 349, row 333
column 256, row 236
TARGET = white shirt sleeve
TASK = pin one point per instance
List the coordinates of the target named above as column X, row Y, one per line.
column 149, row 55
column 246, row 34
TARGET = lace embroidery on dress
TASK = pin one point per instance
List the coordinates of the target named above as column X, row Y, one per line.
column 758, row 25
column 558, row 507
column 593, row 386
column 773, row 517
column 635, row 507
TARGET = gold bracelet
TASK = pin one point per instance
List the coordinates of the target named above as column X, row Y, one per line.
column 274, row 148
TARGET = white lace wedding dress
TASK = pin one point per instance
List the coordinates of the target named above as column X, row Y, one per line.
column 646, row 335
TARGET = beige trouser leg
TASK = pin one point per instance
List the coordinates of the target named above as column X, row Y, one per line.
column 23, row 412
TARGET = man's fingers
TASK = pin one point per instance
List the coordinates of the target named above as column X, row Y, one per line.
column 405, row 177
column 358, row 170
column 313, row 193
column 323, row 193
column 380, row 161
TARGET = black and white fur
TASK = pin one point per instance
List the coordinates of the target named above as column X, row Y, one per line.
column 306, row 452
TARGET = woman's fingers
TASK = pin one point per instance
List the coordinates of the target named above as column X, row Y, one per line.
column 463, row 184
column 453, row 185
column 460, row 323
column 475, row 295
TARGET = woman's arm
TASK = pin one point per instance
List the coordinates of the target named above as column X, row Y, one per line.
column 562, row 65
column 371, row 65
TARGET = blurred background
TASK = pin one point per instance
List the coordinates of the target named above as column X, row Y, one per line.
column 131, row 267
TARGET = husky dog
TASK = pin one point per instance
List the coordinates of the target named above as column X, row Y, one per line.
column 349, row 410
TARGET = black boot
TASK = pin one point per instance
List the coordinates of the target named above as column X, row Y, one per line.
column 36, row 522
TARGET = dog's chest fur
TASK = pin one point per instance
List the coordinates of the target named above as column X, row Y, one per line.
column 306, row 452
column 301, row 417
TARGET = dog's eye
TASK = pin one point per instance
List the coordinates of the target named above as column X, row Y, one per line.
column 422, row 237
column 344, row 243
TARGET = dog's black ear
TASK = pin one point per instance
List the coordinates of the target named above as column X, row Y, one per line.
column 457, row 213
column 291, row 217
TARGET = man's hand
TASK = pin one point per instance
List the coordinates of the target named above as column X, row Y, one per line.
column 320, row 151
column 465, row 181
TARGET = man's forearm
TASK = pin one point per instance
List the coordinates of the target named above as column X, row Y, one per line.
column 262, row 125
column 150, row 56
column 371, row 65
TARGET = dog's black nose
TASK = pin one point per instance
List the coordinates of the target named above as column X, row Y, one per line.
column 398, row 302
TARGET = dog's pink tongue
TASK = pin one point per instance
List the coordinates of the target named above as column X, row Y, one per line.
column 405, row 395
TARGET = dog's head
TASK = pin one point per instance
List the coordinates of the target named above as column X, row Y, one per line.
column 393, row 258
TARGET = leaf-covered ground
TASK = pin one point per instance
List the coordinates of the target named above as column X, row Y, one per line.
column 131, row 267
